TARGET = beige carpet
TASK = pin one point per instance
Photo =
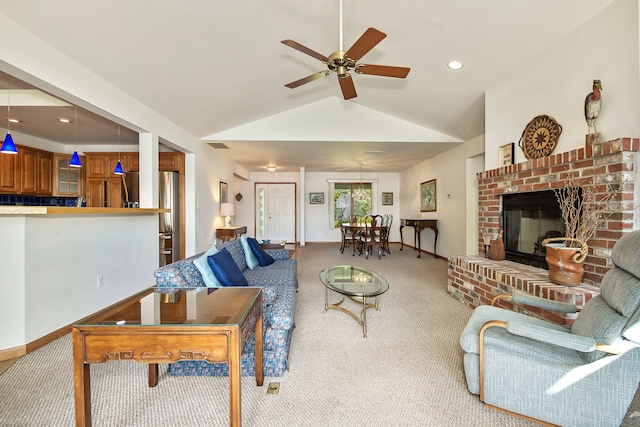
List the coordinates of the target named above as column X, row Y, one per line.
column 407, row 372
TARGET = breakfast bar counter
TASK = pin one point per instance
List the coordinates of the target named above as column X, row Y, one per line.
column 65, row 210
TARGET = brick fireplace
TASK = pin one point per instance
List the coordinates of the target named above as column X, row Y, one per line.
column 610, row 161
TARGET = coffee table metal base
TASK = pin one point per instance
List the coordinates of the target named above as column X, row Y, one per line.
column 362, row 319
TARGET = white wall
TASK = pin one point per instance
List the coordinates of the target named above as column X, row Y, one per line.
column 317, row 224
column 556, row 83
column 12, row 308
column 454, row 202
column 51, row 263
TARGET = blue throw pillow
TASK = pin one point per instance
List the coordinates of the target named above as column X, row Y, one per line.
column 249, row 257
column 263, row 257
column 202, row 264
column 226, row 270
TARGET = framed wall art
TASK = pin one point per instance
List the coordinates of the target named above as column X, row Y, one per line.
column 428, row 196
column 505, row 154
column 387, row 199
column 224, row 192
column 316, row 198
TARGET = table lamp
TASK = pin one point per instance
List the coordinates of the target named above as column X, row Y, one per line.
column 227, row 210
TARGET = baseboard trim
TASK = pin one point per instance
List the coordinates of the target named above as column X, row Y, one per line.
column 12, row 353
column 42, row 341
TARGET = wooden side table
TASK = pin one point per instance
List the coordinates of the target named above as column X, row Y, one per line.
column 227, row 233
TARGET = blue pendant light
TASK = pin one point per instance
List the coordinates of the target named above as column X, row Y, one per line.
column 75, row 159
column 8, row 147
column 118, row 170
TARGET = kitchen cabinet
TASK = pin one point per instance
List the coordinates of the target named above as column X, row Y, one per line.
column 67, row 181
column 36, row 168
column 102, row 165
column 103, row 187
column 45, row 170
column 9, row 173
column 29, row 172
column 104, row 193
column 132, row 161
column 169, row 161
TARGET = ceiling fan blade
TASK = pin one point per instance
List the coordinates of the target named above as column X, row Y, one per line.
column 383, row 70
column 365, row 43
column 308, row 79
column 305, row 49
column 347, row 86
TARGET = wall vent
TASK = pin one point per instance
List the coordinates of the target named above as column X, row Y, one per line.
column 218, row 145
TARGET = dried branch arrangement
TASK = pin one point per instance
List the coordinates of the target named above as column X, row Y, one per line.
column 585, row 204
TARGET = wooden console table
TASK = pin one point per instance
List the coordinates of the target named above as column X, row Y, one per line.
column 419, row 225
column 168, row 325
column 227, row 233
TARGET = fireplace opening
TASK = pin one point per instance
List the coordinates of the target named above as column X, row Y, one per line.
column 528, row 219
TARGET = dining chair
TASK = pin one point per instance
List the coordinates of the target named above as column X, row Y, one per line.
column 350, row 235
column 372, row 236
column 386, row 222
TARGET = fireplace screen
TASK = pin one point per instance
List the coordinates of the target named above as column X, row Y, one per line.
column 528, row 219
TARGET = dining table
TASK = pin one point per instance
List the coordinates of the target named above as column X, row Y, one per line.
column 348, row 229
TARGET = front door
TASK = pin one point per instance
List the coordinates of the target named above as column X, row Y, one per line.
column 275, row 212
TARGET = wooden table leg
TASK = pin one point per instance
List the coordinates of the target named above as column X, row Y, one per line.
column 81, row 382
column 235, row 363
column 153, row 374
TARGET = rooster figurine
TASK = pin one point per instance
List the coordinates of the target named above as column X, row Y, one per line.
column 592, row 104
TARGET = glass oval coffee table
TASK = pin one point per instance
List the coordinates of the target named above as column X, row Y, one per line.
column 356, row 284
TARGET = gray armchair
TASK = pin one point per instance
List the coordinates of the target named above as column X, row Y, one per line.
column 581, row 375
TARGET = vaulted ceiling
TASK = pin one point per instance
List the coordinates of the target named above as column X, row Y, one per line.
column 218, row 70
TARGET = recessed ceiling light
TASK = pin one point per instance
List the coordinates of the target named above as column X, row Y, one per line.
column 454, row 65
column 271, row 168
column 14, row 120
column 64, row 120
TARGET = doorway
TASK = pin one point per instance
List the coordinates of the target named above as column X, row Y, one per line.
column 276, row 212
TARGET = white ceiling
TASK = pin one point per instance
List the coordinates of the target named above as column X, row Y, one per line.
column 214, row 68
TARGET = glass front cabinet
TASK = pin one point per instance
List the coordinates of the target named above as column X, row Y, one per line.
column 68, row 181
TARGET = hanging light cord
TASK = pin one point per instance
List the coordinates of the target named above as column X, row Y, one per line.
column 9, row 109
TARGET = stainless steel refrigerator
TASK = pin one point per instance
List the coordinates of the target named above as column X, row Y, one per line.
column 169, row 224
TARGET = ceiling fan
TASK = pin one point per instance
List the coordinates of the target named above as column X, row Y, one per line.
column 341, row 62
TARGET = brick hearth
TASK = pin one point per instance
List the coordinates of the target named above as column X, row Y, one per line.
column 475, row 280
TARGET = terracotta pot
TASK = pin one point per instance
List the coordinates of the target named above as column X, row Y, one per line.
column 565, row 263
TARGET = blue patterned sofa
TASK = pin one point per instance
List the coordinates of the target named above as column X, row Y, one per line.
column 279, row 283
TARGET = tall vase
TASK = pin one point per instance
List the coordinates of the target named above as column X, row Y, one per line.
column 565, row 263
